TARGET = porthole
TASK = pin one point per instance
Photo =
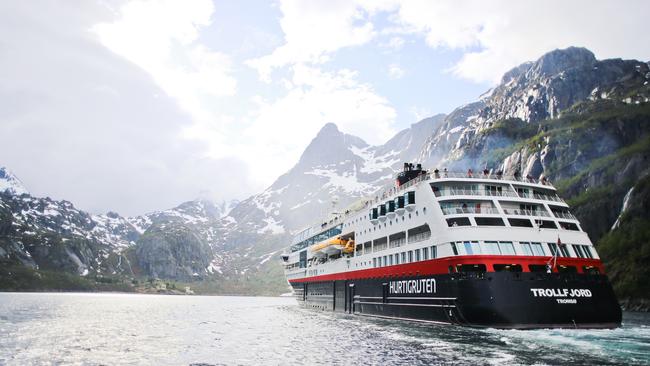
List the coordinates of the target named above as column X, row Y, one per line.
column 409, row 216
column 424, row 210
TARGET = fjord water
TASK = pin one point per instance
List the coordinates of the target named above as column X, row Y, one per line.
column 125, row 329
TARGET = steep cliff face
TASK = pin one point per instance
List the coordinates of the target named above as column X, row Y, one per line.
column 531, row 93
column 173, row 251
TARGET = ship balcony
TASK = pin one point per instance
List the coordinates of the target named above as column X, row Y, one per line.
column 523, row 212
column 564, row 215
column 470, row 210
column 450, row 192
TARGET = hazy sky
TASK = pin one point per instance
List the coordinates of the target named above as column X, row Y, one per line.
column 135, row 106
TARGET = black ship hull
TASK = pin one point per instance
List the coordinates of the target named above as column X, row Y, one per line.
column 522, row 300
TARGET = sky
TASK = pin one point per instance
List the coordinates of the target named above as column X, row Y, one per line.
column 136, row 106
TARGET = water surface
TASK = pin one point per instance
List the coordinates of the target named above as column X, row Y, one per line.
column 126, row 329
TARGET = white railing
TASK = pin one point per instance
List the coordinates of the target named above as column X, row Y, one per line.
column 474, row 192
column 526, row 212
column 564, row 215
column 546, row 197
column 397, row 242
column 479, row 175
column 469, row 210
column 419, row 237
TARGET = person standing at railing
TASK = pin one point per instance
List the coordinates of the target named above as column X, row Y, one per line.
column 469, row 173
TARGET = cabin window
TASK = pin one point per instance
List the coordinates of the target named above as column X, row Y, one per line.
column 491, row 247
column 396, row 258
column 425, row 253
column 453, row 248
column 409, row 198
column 458, row 221
column 554, row 250
column 493, row 190
column 390, row 206
column 564, row 250
column 374, row 262
column 520, row 223
column 587, row 251
column 434, row 252
column 489, row 221
column 538, row 249
column 385, row 261
column 525, row 248
column 545, row 224
column 506, row 248
column 507, row 268
column 568, row 226
column 578, row 250
column 480, row 268
column 403, row 257
column 472, row 247
column 382, row 210
column 417, row 255
column 410, row 256
column 590, row 270
column 390, row 259
column 399, row 202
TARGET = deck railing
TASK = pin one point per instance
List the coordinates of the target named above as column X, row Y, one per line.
column 469, row 210
column 564, row 215
column 526, row 212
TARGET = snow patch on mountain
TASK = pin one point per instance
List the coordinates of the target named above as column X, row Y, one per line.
column 10, row 183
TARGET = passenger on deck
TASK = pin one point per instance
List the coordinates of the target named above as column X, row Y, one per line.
column 437, row 173
column 469, row 172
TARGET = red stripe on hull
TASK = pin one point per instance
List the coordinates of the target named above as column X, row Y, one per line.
column 441, row 266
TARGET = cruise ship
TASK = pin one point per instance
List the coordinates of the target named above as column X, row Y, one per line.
column 478, row 250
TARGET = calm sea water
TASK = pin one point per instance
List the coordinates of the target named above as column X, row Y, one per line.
column 121, row 329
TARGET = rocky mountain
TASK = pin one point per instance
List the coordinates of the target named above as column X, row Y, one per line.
column 335, row 170
column 9, row 183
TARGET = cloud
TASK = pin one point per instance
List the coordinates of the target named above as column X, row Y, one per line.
column 498, row 35
column 313, row 30
column 161, row 37
column 79, row 123
column 280, row 128
column 395, row 71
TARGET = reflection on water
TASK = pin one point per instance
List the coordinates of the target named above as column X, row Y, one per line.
column 123, row 329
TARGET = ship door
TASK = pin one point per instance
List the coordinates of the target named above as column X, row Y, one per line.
column 350, row 297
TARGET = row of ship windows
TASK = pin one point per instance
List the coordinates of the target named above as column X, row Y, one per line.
column 527, row 248
column 390, row 222
column 496, row 221
column 406, row 257
column 488, row 247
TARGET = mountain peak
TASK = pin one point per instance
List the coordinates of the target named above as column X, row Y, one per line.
column 328, row 130
column 10, row 183
column 560, row 60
